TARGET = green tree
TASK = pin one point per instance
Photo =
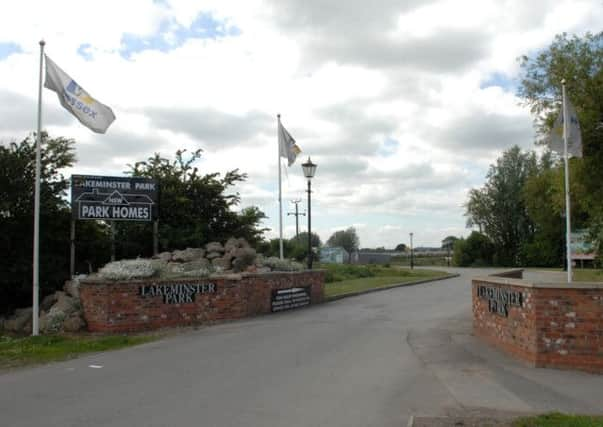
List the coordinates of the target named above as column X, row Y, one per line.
column 498, row 208
column 347, row 239
column 578, row 60
column 475, row 251
column 194, row 209
column 17, row 179
column 401, row 247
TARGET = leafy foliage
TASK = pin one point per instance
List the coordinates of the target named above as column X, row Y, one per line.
column 194, row 208
column 17, row 179
column 347, row 239
column 578, row 60
column 475, row 251
column 498, row 208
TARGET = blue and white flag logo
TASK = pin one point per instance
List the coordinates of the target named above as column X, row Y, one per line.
column 91, row 113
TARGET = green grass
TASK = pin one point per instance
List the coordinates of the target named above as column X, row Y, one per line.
column 588, row 275
column 559, row 420
column 42, row 349
column 381, row 277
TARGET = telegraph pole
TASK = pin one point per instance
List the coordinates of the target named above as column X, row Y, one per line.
column 297, row 215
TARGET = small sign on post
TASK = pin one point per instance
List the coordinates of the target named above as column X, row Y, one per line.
column 113, row 198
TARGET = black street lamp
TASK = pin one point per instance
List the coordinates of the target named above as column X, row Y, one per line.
column 411, row 254
column 309, row 171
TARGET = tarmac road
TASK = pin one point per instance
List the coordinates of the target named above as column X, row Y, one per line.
column 370, row 360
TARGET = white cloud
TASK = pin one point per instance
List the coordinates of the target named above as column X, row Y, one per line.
column 386, row 97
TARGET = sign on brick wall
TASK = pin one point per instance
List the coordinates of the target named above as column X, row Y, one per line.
column 287, row 299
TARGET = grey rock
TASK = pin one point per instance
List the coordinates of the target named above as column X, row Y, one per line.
column 187, row 255
column 243, row 243
column 74, row 323
column 72, row 288
column 247, row 253
column 199, row 264
column 174, row 268
column 65, row 304
column 49, row 300
column 19, row 320
column 213, row 255
column 214, row 247
column 163, row 256
column 231, row 244
column 52, row 321
column 221, row 263
column 263, row 270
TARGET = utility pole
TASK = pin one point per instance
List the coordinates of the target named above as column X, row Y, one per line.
column 297, row 215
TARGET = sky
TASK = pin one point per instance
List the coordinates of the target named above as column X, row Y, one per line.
column 403, row 105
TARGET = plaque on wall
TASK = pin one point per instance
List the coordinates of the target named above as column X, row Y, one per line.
column 287, row 299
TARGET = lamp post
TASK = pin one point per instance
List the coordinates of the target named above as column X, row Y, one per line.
column 411, row 257
column 309, row 171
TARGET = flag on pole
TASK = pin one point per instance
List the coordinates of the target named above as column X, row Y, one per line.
column 91, row 113
column 574, row 137
column 287, row 146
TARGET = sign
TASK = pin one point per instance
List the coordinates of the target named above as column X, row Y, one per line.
column 177, row 294
column 581, row 246
column 113, row 198
column 499, row 299
column 286, row 299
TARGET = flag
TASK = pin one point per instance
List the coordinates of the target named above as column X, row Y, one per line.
column 287, row 146
column 574, row 137
column 91, row 113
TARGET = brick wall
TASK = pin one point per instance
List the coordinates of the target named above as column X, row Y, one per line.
column 113, row 306
column 556, row 325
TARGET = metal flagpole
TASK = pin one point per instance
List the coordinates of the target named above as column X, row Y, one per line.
column 35, row 329
column 568, row 228
column 280, row 194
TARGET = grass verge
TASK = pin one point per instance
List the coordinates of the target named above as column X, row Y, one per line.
column 15, row 352
column 559, row 420
column 383, row 277
column 587, row 275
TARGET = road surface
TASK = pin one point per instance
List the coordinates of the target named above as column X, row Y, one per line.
column 370, row 360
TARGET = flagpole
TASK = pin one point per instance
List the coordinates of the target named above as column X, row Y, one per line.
column 567, row 188
column 35, row 328
column 280, row 194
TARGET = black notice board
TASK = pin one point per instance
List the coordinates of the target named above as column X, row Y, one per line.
column 290, row 298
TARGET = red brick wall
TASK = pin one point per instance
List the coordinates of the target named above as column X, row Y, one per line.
column 118, row 306
column 556, row 326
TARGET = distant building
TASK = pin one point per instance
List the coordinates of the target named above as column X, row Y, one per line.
column 336, row 255
column 362, row 257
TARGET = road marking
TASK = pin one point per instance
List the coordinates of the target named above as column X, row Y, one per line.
column 95, row 366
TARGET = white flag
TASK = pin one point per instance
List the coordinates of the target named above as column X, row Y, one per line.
column 287, row 146
column 574, row 137
column 77, row 101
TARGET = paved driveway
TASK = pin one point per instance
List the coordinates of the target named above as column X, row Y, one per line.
column 371, row 360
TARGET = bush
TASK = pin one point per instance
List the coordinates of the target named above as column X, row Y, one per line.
column 475, row 251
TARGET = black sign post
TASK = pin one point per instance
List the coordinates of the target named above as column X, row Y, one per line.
column 111, row 198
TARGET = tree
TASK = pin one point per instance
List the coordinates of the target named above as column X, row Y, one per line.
column 448, row 243
column 347, row 239
column 401, row 247
column 578, row 60
column 194, row 208
column 498, row 208
column 475, row 251
column 17, row 178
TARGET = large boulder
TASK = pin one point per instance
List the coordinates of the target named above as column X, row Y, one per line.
column 163, row 256
column 214, row 247
column 72, row 287
column 187, row 255
column 18, row 322
column 128, row 269
column 213, row 255
column 74, row 323
column 222, row 263
column 49, row 300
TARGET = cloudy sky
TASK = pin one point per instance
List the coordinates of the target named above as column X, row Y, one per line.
column 402, row 104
